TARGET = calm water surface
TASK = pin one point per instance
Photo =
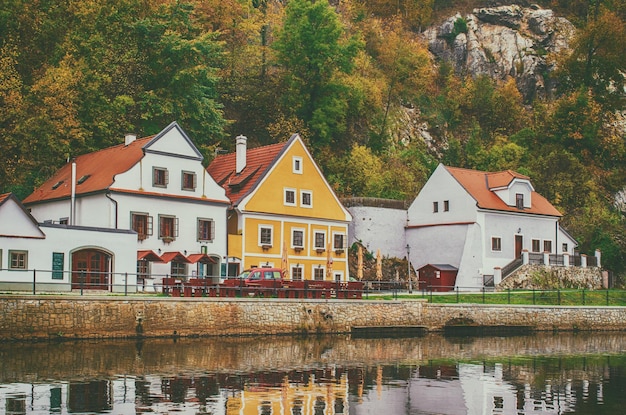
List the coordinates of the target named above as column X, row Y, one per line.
column 540, row 374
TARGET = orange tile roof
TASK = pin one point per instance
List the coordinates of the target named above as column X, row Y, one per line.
column 4, row 197
column 202, row 258
column 100, row 168
column 258, row 162
column 480, row 186
column 174, row 256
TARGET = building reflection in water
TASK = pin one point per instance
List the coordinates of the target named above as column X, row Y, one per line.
column 521, row 385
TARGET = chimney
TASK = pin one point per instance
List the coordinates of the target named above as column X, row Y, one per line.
column 241, row 153
column 129, row 138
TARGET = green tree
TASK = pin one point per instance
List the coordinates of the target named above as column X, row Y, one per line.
column 313, row 50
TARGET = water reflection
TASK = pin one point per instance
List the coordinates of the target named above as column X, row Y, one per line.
column 542, row 374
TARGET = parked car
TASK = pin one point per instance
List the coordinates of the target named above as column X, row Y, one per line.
column 265, row 277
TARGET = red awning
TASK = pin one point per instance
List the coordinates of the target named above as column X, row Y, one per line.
column 174, row 256
column 148, row 255
column 202, row 258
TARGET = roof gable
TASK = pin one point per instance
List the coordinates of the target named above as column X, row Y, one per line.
column 96, row 171
column 15, row 220
column 482, row 186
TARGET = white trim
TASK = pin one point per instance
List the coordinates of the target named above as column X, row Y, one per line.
column 295, row 195
column 265, row 226
column 303, row 230
column 314, row 239
column 294, row 162
column 310, row 193
column 492, row 240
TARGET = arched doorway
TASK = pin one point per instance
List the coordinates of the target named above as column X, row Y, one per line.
column 91, row 269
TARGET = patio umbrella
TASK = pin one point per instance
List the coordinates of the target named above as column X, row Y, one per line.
column 329, row 263
column 284, row 262
column 379, row 266
column 359, row 272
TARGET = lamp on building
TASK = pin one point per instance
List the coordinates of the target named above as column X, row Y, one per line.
column 519, row 230
column 159, row 251
column 185, row 252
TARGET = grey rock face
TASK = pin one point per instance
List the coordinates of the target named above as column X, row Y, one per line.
column 504, row 41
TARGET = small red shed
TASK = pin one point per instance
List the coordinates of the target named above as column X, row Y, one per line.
column 437, row 277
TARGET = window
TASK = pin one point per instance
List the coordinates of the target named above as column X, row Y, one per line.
column 142, row 224
column 178, row 269
column 83, row 179
column 160, row 177
column 265, row 235
column 296, row 273
column 290, row 197
column 206, row 229
column 297, row 165
column 318, row 273
column 18, row 259
column 565, row 247
column 188, row 180
column 320, row 240
column 297, row 238
column 64, row 221
column 547, row 246
column 446, row 205
column 338, row 243
column 306, row 198
column 168, row 227
column 496, row 244
column 536, row 245
column 519, row 200
column 435, row 207
column 143, row 268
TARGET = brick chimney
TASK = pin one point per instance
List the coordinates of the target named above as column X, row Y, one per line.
column 241, row 153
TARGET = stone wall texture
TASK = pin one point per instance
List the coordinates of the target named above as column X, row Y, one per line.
column 59, row 317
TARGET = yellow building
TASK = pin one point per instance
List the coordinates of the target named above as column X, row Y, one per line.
column 283, row 213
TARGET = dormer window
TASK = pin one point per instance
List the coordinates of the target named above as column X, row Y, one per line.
column 83, row 178
column 57, row 184
column 519, row 200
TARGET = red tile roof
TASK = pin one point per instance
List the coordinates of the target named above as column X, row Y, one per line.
column 258, row 162
column 99, row 168
column 4, row 197
column 174, row 256
column 480, row 186
column 148, row 255
column 202, row 258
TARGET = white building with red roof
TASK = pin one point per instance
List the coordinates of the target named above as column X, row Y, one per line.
column 38, row 256
column 478, row 222
column 155, row 186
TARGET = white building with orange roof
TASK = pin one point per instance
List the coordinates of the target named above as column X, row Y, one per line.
column 155, row 186
column 478, row 222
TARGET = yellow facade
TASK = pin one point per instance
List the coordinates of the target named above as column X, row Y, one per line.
column 294, row 206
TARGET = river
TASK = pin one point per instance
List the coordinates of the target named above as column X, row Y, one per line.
column 546, row 373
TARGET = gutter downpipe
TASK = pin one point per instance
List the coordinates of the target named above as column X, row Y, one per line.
column 108, row 196
column 73, row 196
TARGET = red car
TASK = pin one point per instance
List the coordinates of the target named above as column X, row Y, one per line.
column 263, row 277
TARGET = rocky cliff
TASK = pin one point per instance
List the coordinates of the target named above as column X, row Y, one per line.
column 504, row 41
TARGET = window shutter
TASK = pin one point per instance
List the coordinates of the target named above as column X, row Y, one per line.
column 194, row 181
column 167, row 176
column 211, row 230
column 175, row 227
column 149, row 225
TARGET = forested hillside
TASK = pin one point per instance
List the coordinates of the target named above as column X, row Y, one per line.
column 354, row 77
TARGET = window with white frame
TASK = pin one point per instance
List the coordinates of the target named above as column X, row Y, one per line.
column 265, row 235
column 178, row 269
column 188, row 180
column 536, row 245
column 206, row 229
column 297, row 238
column 565, row 248
column 160, row 177
column 290, row 197
column 339, row 241
column 168, row 227
column 296, row 273
column 319, row 240
column 142, row 224
column 306, row 198
column 547, row 246
column 338, row 276
column 18, row 259
column 319, row 273
column 496, row 244
column 519, row 200
column 297, row 164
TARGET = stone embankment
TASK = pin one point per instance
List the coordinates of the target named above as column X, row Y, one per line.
column 63, row 317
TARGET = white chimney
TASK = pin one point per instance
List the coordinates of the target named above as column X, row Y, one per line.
column 129, row 138
column 241, row 153
column 73, row 196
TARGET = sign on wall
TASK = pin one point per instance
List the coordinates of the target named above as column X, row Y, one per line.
column 58, row 261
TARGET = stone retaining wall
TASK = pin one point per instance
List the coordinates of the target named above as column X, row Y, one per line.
column 32, row 317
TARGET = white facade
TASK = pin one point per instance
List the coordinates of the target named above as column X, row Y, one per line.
column 462, row 224
column 173, row 209
column 42, row 254
column 378, row 228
